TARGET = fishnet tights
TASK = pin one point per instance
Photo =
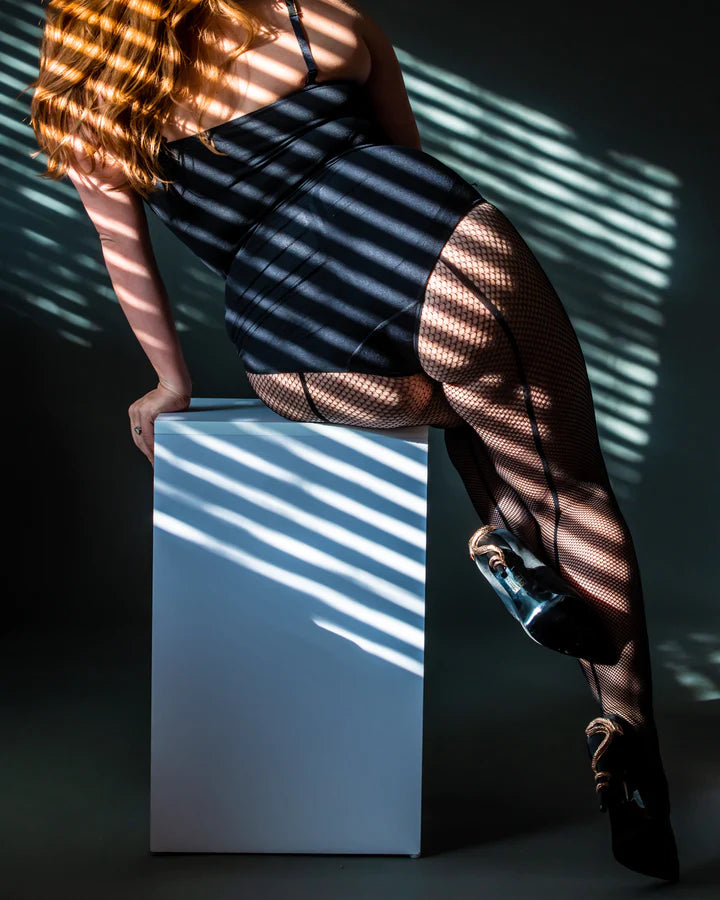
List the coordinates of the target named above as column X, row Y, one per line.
column 350, row 398
column 506, row 379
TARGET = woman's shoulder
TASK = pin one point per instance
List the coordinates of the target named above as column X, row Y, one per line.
column 341, row 12
column 336, row 31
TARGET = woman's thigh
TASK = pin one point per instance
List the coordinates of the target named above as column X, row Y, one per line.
column 495, row 333
column 356, row 399
column 459, row 337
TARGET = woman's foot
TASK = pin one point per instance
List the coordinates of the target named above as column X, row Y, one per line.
column 547, row 608
column 632, row 788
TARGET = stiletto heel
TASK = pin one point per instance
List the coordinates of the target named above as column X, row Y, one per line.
column 548, row 609
column 632, row 788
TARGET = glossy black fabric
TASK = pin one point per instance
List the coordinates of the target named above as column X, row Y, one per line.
column 333, row 279
column 269, row 152
column 325, row 232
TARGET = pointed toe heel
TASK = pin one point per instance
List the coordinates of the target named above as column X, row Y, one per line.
column 549, row 611
column 632, row 789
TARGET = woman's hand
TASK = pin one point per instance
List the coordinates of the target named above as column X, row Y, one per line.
column 118, row 214
column 144, row 411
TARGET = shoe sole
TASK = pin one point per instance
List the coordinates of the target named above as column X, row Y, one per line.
column 566, row 623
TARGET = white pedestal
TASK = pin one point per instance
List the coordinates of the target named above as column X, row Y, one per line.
column 287, row 634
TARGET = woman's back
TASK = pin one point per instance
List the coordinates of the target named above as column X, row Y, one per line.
column 276, row 64
column 215, row 199
column 325, row 232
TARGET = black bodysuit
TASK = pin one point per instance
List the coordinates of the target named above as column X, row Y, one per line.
column 324, row 231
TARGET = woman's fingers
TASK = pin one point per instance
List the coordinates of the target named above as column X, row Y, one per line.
column 142, row 431
column 142, row 417
column 144, row 411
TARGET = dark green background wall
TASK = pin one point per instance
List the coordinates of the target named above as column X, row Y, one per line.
column 622, row 99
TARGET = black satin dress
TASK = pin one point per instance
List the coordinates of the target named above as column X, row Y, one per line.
column 324, row 231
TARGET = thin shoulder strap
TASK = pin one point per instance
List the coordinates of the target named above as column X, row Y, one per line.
column 303, row 41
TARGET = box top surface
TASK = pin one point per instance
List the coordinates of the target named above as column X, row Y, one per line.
column 213, row 415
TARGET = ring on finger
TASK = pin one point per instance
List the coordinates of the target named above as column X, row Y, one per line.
column 138, row 429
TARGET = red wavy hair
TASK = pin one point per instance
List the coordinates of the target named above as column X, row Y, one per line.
column 111, row 72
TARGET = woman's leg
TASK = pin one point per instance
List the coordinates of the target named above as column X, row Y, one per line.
column 355, row 399
column 495, row 333
column 505, row 377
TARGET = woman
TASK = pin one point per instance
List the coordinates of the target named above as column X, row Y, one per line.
column 366, row 284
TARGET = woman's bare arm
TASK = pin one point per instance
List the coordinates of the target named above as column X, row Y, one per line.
column 386, row 86
column 120, row 221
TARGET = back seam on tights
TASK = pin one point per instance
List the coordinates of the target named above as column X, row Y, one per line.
column 471, row 286
column 310, row 401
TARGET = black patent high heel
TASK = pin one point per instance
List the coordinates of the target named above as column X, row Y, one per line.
column 632, row 788
column 548, row 609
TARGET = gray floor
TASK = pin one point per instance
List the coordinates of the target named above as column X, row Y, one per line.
column 508, row 809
